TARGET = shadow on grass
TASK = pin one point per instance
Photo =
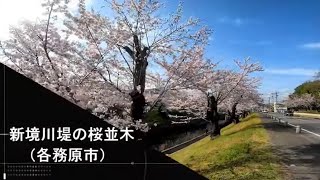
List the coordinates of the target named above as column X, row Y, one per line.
column 250, row 156
column 245, row 160
column 253, row 126
column 241, row 153
column 266, row 123
column 250, row 126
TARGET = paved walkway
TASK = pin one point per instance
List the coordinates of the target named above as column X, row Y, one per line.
column 300, row 153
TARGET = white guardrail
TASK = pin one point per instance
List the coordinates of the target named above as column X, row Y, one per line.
column 298, row 127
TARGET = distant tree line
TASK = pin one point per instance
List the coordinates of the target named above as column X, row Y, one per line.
column 306, row 96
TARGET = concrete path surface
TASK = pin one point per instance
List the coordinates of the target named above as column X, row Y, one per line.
column 300, row 153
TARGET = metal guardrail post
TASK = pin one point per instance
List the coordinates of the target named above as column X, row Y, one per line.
column 298, row 129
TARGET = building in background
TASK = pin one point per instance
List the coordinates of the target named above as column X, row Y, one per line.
column 280, row 108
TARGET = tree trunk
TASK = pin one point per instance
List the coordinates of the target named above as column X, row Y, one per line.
column 213, row 116
column 216, row 127
column 139, row 56
column 234, row 117
column 137, row 106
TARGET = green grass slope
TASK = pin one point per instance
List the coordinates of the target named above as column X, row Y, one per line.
column 241, row 152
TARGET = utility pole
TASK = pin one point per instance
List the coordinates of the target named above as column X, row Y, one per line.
column 277, row 94
column 275, row 100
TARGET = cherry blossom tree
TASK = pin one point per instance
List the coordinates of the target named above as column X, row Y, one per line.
column 224, row 84
column 221, row 83
column 188, row 100
column 244, row 97
column 135, row 35
column 305, row 101
column 106, row 64
column 101, row 63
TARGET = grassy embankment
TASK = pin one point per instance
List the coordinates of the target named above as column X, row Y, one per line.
column 309, row 111
column 307, row 114
column 241, row 152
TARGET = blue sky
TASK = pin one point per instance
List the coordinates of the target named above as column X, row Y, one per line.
column 284, row 36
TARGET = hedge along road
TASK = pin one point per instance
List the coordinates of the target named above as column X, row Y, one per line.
column 312, row 125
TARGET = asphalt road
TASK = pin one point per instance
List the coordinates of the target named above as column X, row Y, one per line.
column 309, row 124
column 300, row 153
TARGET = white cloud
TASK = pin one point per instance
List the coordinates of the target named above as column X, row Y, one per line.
column 234, row 21
column 14, row 11
column 292, row 71
column 239, row 21
column 314, row 45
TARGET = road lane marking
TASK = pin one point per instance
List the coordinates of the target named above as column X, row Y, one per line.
column 310, row 132
column 302, row 129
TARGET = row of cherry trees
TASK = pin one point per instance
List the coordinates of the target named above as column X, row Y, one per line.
column 105, row 64
column 304, row 101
